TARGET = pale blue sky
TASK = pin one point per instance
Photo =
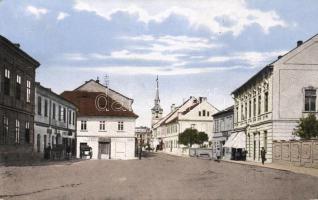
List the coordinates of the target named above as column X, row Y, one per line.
column 198, row 48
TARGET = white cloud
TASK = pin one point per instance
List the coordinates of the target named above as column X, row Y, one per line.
column 37, row 12
column 123, row 55
column 151, row 70
column 151, row 56
column 255, row 59
column 168, row 43
column 199, row 13
column 75, row 56
column 62, row 15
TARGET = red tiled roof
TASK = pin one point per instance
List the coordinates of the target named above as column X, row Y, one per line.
column 94, row 104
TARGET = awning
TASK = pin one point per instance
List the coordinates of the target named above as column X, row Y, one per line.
column 239, row 141
column 230, row 141
column 236, row 140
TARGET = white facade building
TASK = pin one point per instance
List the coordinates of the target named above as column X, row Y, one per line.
column 54, row 121
column 105, row 122
column 269, row 105
column 193, row 113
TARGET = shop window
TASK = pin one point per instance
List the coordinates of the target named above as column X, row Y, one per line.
column 5, row 130
column 17, row 131
column 27, row 132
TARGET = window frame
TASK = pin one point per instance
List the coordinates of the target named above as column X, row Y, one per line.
column 28, row 91
column 7, row 81
column 17, row 131
column 102, row 125
column 120, row 126
column 18, row 87
column 39, row 107
column 310, row 102
column 83, row 125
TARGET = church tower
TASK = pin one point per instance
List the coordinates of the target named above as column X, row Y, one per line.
column 156, row 111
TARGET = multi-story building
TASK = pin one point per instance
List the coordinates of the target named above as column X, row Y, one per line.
column 55, row 120
column 17, row 75
column 222, row 129
column 143, row 135
column 269, row 105
column 193, row 113
column 105, row 121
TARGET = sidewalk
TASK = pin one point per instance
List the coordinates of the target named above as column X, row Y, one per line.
column 291, row 168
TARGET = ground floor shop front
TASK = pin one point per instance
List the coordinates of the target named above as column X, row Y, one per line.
column 116, row 148
column 50, row 138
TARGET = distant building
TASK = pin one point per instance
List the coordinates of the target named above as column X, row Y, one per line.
column 105, row 122
column 156, row 111
column 193, row 113
column 55, row 120
column 17, row 75
column 222, row 129
column 143, row 135
column 269, row 105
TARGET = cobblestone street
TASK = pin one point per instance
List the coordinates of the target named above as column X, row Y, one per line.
column 158, row 176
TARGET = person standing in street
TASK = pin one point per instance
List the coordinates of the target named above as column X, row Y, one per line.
column 263, row 155
column 218, row 154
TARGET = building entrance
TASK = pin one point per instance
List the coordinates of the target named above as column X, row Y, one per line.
column 104, row 150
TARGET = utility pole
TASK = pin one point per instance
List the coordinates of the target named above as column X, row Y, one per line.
column 140, row 149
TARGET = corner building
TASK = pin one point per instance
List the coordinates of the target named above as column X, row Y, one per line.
column 105, row 122
column 269, row 105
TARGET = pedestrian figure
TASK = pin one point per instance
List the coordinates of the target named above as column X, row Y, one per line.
column 49, row 148
column 263, row 155
column 218, row 154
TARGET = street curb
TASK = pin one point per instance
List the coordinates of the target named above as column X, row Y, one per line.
column 275, row 168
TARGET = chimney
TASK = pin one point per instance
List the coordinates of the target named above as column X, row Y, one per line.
column 279, row 57
column 201, row 99
column 173, row 107
column 299, row 42
column 17, row 45
column 97, row 79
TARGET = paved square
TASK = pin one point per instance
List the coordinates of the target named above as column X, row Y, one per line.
column 158, row 176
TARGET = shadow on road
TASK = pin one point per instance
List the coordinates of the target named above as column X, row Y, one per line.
column 39, row 163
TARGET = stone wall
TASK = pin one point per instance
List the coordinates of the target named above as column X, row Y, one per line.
column 298, row 153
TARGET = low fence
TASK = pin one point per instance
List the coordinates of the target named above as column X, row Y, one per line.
column 298, row 153
column 198, row 152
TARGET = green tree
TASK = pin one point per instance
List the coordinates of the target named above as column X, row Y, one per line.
column 188, row 137
column 201, row 137
column 307, row 127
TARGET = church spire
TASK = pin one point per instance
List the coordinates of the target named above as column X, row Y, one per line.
column 157, row 99
column 156, row 110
